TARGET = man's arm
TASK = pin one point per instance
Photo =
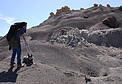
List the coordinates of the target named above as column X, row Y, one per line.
column 21, row 31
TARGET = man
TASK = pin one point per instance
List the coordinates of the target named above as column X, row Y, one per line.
column 14, row 42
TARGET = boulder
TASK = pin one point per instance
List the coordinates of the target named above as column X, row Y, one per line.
column 63, row 9
column 58, row 12
column 120, row 8
column 81, row 8
column 51, row 14
column 108, row 5
column 95, row 5
column 111, row 22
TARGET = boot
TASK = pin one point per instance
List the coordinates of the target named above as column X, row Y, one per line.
column 12, row 65
column 20, row 65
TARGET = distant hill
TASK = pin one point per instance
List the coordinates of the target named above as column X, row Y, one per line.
column 90, row 19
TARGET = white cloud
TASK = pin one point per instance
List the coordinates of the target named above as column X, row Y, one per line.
column 9, row 20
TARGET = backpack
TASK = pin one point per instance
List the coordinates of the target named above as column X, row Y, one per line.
column 14, row 28
column 21, row 24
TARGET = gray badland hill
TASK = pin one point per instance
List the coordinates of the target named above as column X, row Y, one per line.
column 71, row 47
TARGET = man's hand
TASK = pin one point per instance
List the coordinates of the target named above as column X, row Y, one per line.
column 25, row 34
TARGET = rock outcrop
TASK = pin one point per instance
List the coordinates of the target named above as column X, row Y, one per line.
column 95, row 5
column 111, row 22
column 120, row 8
column 51, row 14
column 108, row 5
column 108, row 37
column 68, row 36
column 81, row 8
column 62, row 10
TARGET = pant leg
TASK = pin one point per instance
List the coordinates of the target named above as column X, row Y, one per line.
column 13, row 56
column 19, row 54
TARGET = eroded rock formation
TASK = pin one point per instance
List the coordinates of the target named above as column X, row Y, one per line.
column 111, row 22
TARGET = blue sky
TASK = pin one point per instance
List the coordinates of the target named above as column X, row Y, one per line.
column 36, row 11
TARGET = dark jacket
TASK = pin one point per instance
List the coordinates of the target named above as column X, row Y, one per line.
column 15, row 40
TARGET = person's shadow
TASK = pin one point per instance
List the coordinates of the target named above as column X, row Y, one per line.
column 9, row 76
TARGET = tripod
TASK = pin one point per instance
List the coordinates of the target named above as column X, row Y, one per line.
column 28, row 60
